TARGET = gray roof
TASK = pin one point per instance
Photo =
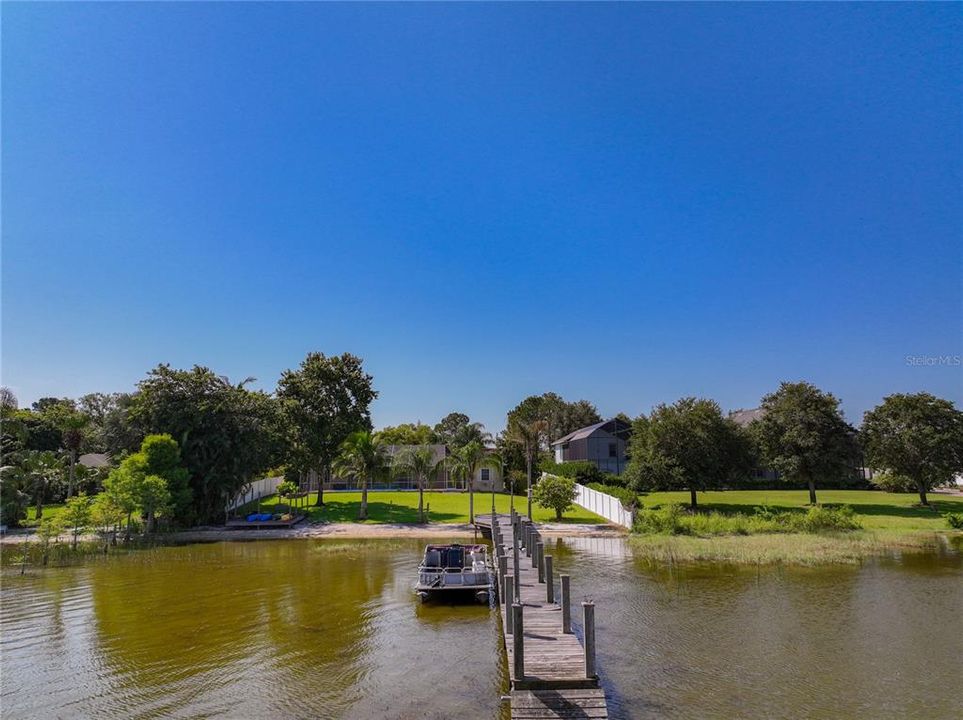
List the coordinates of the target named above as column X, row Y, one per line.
column 744, row 417
column 589, row 430
column 94, row 460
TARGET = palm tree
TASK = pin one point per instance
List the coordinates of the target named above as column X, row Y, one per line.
column 472, row 432
column 365, row 457
column 41, row 468
column 463, row 463
column 529, row 436
column 419, row 462
column 72, row 425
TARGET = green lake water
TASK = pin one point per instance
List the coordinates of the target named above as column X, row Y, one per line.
column 324, row 629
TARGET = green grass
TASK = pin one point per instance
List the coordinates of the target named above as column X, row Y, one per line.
column 402, row 507
column 890, row 523
column 52, row 510
column 875, row 510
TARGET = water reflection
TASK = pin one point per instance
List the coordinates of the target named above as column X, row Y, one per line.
column 308, row 629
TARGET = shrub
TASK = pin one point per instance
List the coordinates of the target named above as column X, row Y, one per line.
column 557, row 493
column 955, row 520
column 677, row 520
column 581, row 471
column 627, row 497
column 892, row 482
column 286, row 489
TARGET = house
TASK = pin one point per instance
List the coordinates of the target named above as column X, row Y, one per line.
column 603, row 444
column 485, row 477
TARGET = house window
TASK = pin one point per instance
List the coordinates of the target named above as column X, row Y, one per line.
column 613, row 450
column 486, row 475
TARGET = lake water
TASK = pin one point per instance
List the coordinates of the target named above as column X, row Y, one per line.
column 323, row 629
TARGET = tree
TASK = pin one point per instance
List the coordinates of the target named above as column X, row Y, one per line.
column 153, row 497
column 464, row 462
column 420, row 463
column 8, row 400
column 366, row 458
column 560, row 416
column 72, row 425
column 228, row 435
column 120, row 488
column 76, row 515
column 687, row 445
column 324, row 401
column 160, row 455
column 457, row 430
column 39, row 469
column 528, row 436
column 111, row 429
column 408, row 434
column 802, row 435
column 918, row 436
column 106, row 515
column 557, row 493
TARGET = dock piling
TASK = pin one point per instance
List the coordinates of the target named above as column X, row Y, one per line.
column 509, row 592
column 566, row 604
column 588, row 627
column 549, row 580
column 540, row 559
column 518, row 642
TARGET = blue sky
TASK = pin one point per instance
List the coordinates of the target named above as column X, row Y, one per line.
column 623, row 203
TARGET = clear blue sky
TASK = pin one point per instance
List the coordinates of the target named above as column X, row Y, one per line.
column 623, row 203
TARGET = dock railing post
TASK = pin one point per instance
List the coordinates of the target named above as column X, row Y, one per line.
column 540, row 559
column 588, row 627
column 502, row 572
column 518, row 642
column 534, row 552
column 549, row 580
column 508, row 602
column 516, row 567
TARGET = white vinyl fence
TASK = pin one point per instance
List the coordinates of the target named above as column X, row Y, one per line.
column 605, row 505
column 255, row 491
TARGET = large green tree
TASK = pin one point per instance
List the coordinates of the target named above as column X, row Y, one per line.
column 324, row 401
column 408, row 434
column 457, row 430
column 366, row 458
column 228, row 435
column 802, row 435
column 918, row 436
column 687, row 445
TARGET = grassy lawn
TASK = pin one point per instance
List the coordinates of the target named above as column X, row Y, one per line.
column 402, row 507
column 51, row 510
column 875, row 510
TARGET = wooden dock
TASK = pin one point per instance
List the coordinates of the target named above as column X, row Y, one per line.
column 552, row 674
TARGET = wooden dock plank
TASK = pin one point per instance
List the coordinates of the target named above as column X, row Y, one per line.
column 555, row 684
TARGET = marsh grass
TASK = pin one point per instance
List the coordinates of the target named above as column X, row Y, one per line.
column 678, row 520
column 785, row 548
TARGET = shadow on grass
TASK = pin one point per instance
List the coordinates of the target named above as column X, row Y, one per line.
column 345, row 512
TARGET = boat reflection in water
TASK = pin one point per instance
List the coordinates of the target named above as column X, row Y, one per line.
column 454, row 571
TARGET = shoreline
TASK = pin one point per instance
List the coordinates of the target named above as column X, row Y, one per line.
column 354, row 531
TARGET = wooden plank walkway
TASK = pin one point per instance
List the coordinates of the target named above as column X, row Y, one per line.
column 554, row 682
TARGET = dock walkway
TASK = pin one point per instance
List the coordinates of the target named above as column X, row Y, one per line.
column 554, row 676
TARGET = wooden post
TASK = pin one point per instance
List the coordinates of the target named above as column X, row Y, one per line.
column 549, row 580
column 518, row 642
column 540, row 559
column 588, row 627
column 534, row 551
column 566, row 604
column 502, row 572
column 516, row 567
column 508, row 601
